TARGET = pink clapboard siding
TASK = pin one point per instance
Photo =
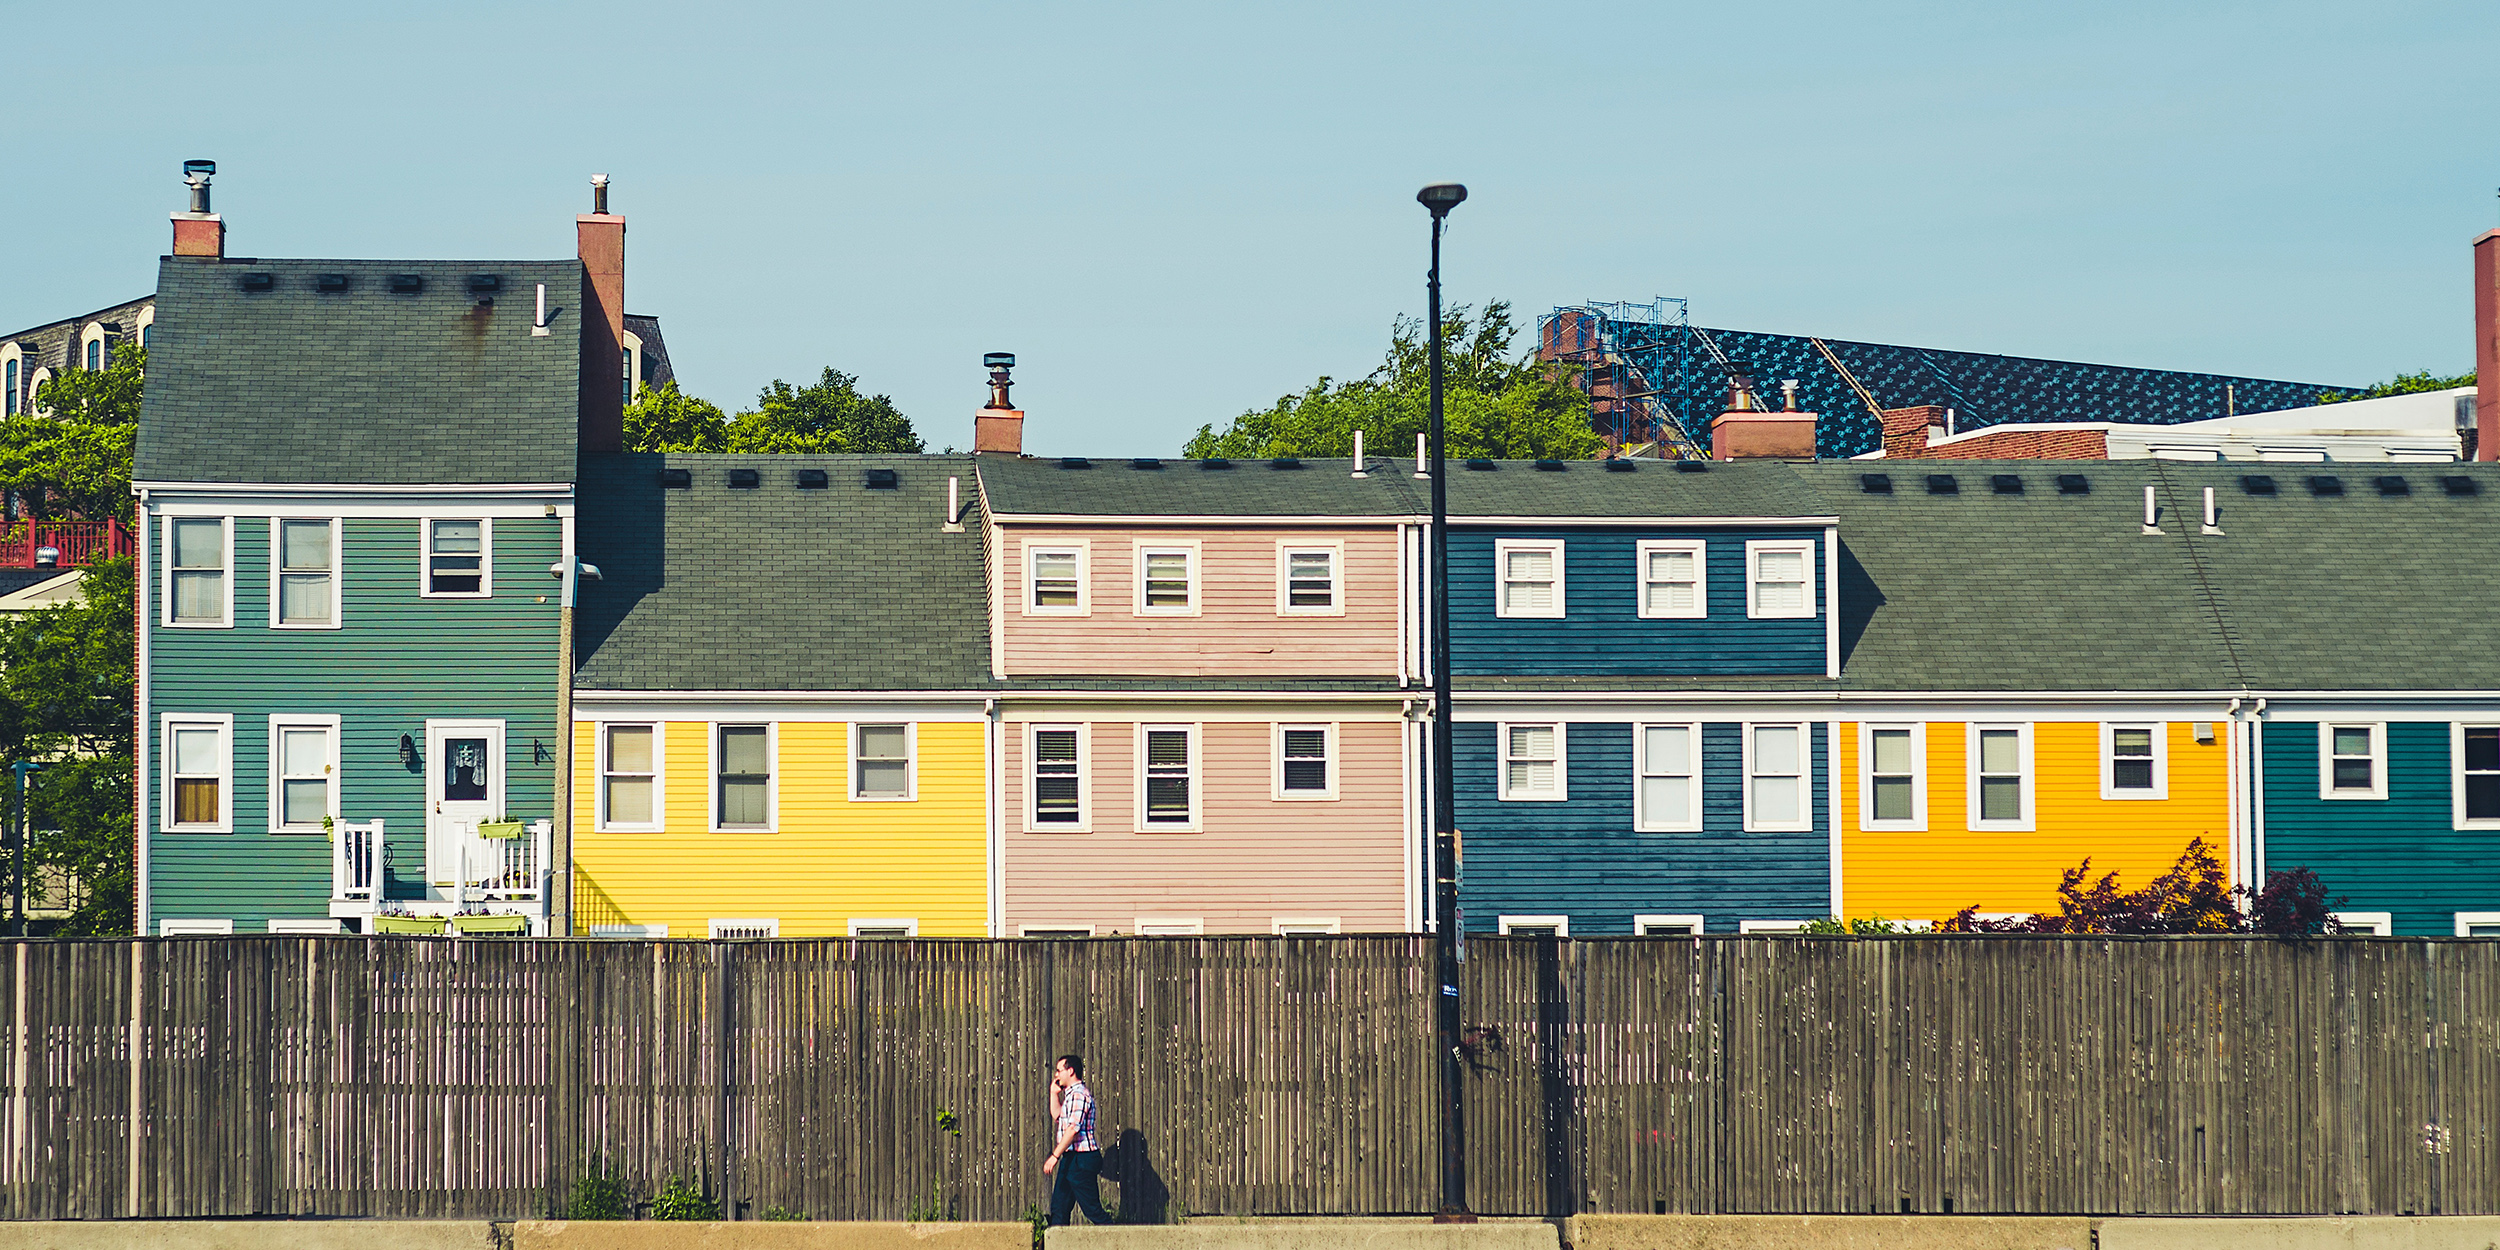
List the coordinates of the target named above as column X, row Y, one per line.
column 1236, row 632
column 1256, row 858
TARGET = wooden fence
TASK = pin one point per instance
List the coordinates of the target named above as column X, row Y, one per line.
column 884, row 1079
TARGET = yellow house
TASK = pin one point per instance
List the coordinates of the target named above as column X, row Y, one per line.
column 781, row 721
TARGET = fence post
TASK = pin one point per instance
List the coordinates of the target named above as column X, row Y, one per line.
column 138, row 1130
column 720, row 1050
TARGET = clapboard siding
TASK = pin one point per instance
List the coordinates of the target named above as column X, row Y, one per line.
column 2402, row 854
column 397, row 660
column 1602, row 632
column 1583, row 858
column 1256, row 858
column 1237, row 632
column 828, row 860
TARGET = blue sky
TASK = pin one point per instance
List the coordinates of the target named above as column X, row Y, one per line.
column 1172, row 213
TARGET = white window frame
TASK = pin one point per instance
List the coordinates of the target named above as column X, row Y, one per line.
column 1757, row 548
column 2375, row 923
column 1276, row 756
column 1770, row 926
column 771, row 926
column 1917, row 823
column 1188, row 550
column 223, row 723
column 1083, row 550
column 1171, row 926
column 910, row 925
column 1805, row 778
column 1562, row 761
column 34, row 386
column 305, row 926
column 485, row 558
column 2378, row 761
column 1305, row 926
column 2456, row 775
column 659, row 777
column 629, row 931
column 1502, row 549
column 1055, row 932
column 166, row 549
column 1084, row 779
column 1699, row 550
column 1643, row 923
column 2030, row 777
column 911, row 762
column 1645, row 820
column 1562, row 924
column 170, row 927
column 2109, row 760
column 1285, row 552
column 1197, row 778
column 772, row 779
column 2466, row 920
column 94, row 335
column 13, row 398
column 278, row 570
column 333, row 773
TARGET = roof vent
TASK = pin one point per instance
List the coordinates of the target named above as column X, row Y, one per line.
column 1622, row 466
column 676, row 479
column 1942, row 484
column 1549, row 466
column 2257, row 483
column 259, row 281
column 745, row 479
column 1284, row 462
column 1875, row 483
column 1480, row 465
column 2073, row 484
column 2392, row 485
column 884, row 479
column 485, row 283
column 1075, row 462
column 1692, row 466
column 2325, row 484
column 811, row 479
column 2459, row 484
column 1145, row 462
column 1215, row 462
column 407, row 284
column 2005, row 483
column 330, row 283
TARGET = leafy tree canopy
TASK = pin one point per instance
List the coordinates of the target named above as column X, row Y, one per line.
column 2401, row 384
column 2192, row 897
column 109, row 396
column 664, row 418
column 1494, row 404
column 65, row 698
column 829, row 415
column 76, row 458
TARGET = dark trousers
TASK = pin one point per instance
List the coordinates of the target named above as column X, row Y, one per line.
column 1076, row 1183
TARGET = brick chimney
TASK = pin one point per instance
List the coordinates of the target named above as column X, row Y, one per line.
column 999, row 427
column 1908, row 431
column 602, row 238
column 199, row 232
column 1749, row 431
column 2487, row 346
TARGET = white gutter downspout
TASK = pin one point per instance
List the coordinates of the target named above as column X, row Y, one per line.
column 994, row 729
column 2235, row 777
column 560, row 911
column 2257, row 793
column 141, row 827
column 1408, row 825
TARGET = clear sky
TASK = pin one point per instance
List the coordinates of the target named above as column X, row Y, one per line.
column 1173, row 212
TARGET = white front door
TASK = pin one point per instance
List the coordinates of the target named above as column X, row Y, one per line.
column 464, row 785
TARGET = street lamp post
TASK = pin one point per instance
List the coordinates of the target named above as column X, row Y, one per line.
column 1439, row 199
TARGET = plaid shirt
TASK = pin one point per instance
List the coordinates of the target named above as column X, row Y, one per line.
column 1076, row 1110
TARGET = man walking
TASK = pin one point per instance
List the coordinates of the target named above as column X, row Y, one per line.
column 1075, row 1160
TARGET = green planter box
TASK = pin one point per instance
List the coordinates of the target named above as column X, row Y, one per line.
column 416, row 926
column 500, row 830
column 480, row 925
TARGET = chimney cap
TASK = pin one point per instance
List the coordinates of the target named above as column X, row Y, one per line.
column 197, row 168
column 998, row 360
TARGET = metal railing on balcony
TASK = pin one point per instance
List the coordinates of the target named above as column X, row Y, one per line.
column 73, row 544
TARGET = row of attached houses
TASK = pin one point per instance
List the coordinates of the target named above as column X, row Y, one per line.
column 420, row 639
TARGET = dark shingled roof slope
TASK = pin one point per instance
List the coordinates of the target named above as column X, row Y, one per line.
column 1650, row 488
column 1317, row 487
column 778, row 588
column 298, row 385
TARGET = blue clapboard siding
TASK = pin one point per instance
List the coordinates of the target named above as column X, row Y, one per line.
column 2401, row 854
column 398, row 660
column 1582, row 858
column 1602, row 632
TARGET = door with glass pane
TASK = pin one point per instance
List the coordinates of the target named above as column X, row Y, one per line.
column 464, row 763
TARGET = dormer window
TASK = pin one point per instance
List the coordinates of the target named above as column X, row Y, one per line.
column 8, row 387
column 95, row 355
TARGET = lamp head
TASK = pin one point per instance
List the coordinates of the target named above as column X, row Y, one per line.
column 1441, row 197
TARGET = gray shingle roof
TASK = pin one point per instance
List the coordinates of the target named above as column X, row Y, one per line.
column 360, row 386
column 1326, row 487
column 777, row 588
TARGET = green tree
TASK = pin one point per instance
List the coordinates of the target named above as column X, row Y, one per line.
column 828, row 416
column 2401, row 384
column 1494, row 404
column 65, row 698
column 109, row 396
column 664, row 418
column 76, row 457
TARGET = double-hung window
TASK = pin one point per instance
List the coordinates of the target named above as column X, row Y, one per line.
column 303, row 772
column 881, row 767
column 2135, row 761
column 198, row 591
column 459, row 557
column 1058, row 781
column 8, row 387
column 1892, row 777
column 1779, row 579
column 199, row 774
column 1674, row 581
column 2478, row 776
column 1531, row 578
column 1669, row 785
column 1776, row 779
column 629, row 778
column 2000, row 777
column 1534, row 769
column 2352, row 761
column 1167, row 580
column 305, row 592
column 1306, row 761
column 1056, row 581
column 1306, row 580
column 743, row 786
column 1167, row 779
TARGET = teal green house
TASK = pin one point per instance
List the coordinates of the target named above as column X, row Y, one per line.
column 355, row 488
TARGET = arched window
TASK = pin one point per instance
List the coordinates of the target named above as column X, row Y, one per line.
column 34, row 387
column 146, row 319
column 95, row 354
column 12, row 367
column 633, row 358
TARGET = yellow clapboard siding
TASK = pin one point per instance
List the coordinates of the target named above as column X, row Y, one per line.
column 1932, row 874
column 828, row 860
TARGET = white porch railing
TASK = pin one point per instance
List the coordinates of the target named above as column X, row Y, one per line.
column 508, row 870
column 359, row 865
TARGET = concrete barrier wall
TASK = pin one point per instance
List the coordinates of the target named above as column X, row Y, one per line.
column 766, row 1235
column 249, row 1235
column 1828, row 1232
column 2376, row 1232
column 1314, row 1234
